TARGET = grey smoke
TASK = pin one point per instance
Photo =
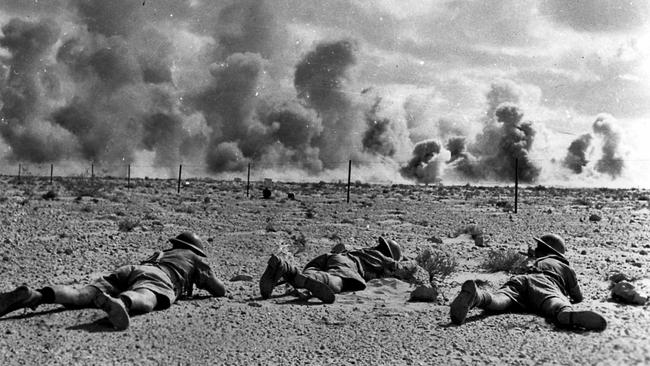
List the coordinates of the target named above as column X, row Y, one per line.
column 576, row 158
column 611, row 162
column 422, row 167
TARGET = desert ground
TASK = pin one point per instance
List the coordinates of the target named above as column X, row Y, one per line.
column 84, row 228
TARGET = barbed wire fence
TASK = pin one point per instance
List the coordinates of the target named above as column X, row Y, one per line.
column 251, row 174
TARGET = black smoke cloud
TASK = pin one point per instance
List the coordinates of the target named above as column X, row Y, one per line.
column 576, row 158
column 582, row 150
column 502, row 148
column 422, row 167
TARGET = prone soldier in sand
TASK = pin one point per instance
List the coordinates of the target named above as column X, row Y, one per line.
column 344, row 270
column 549, row 288
column 154, row 284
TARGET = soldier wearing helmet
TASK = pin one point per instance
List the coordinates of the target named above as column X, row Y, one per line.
column 549, row 288
column 154, row 284
column 342, row 270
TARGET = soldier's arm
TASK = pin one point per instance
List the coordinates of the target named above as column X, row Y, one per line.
column 410, row 272
column 575, row 293
column 209, row 282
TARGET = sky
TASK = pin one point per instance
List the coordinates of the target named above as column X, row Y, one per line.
column 412, row 91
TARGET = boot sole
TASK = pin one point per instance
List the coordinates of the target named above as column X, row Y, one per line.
column 14, row 300
column 269, row 278
column 319, row 289
column 117, row 314
column 588, row 320
column 462, row 303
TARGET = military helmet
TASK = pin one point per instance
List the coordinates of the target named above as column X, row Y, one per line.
column 190, row 241
column 389, row 248
column 551, row 243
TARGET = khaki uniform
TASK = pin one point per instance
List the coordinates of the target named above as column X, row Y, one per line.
column 169, row 274
column 550, row 277
column 356, row 267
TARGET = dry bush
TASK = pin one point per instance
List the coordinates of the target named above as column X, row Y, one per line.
column 438, row 263
column 128, row 224
column 81, row 187
column 188, row 209
column 503, row 260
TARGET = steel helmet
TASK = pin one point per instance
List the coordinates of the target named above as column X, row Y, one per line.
column 190, row 241
column 389, row 248
column 551, row 243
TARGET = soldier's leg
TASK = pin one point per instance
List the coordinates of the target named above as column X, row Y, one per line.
column 472, row 296
column 25, row 297
column 140, row 300
column 335, row 283
column 321, row 284
column 560, row 310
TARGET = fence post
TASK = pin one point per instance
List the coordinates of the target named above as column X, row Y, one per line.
column 128, row 176
column 180, row 170
column 92, row 171
column 516, row 183
column 248, row 179
column 51, row 172
column 20, row 166
column 349, row 177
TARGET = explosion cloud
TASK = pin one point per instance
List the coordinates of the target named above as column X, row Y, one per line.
column 220, row 84
column 611, row 161
column 576, row 158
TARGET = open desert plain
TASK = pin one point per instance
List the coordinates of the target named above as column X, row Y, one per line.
column 84, row 228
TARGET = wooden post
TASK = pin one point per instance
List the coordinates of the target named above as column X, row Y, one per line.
column 51, row 172
column 349, row 177
column 20, row 167
column 248, row 179
column 516, row 183
column 92, row 171
column 180, row 171
column 128, row 176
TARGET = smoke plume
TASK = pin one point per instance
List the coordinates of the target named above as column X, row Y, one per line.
column 611, row 161
column 576, row 158
column 422, row 167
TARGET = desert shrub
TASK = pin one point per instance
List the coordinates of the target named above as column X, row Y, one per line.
column 270, row 228
column 87, row 208
column 438, row 263
column 128, row 224
column 50, row 195
column 84, row 187
column 188, row 209
column 503, row 260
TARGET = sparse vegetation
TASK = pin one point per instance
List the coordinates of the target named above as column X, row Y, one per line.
column 438, row 263
column 503, row 260
column 128, row 224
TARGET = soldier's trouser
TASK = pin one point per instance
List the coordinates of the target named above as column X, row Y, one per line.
column 332, row 281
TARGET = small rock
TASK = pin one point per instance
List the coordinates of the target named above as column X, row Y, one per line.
column 595, row 218
column 68, row 251
column 643, row 252
column 291, row 196
column 583, row 252
column 435, row 239
column 241, row 277
column 424, row 294
column 255, row 304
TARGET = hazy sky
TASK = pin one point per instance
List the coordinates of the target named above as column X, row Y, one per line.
column 429, row 67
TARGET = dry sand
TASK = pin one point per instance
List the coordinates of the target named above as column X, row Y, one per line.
column 72, row 241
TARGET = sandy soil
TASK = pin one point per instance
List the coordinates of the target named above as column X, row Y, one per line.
column 71, row 240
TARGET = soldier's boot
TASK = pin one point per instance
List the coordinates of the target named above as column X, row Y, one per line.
column 21, row 297
column 588, row 320
column 117, row 313
column 276, row 269
column 470, row 296
column 317, row 284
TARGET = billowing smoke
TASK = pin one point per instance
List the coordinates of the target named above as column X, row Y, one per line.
column 25, row 89
column 582, row 150
column 576, row 158
column 422, row 167
column 221, row 84
column 611, row 161
column 320, row 80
